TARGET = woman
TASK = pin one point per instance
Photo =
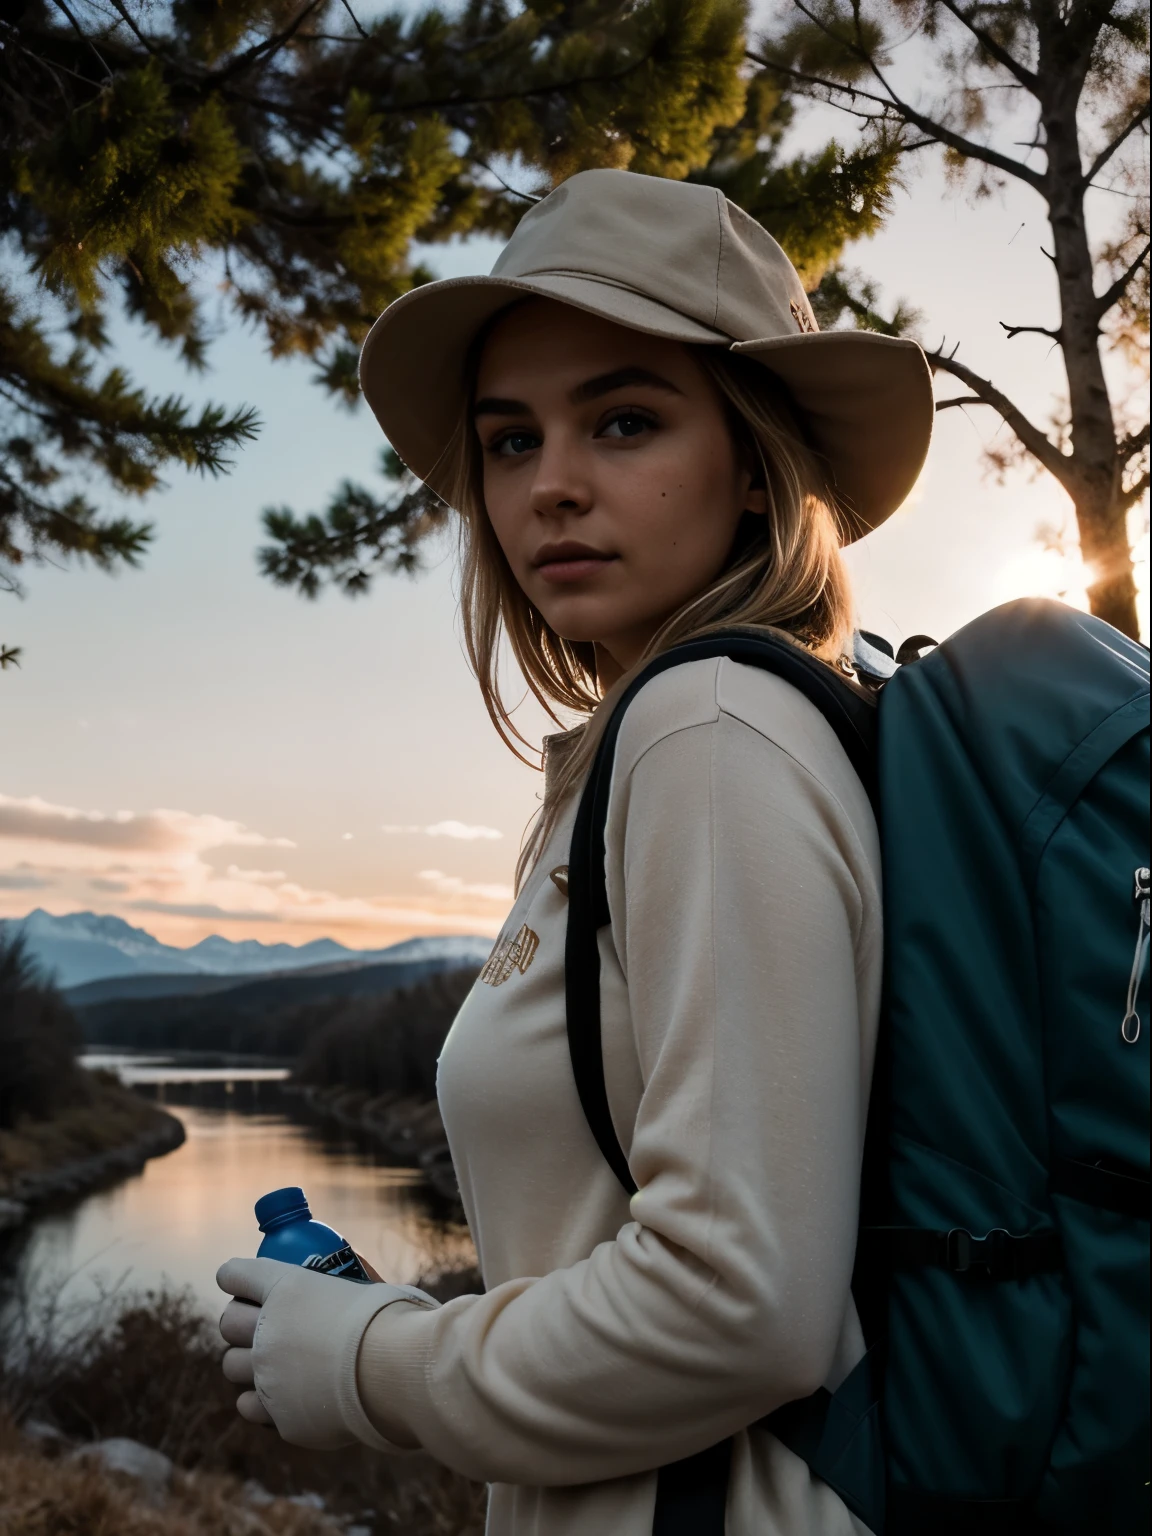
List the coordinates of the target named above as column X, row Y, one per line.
column 647, row 439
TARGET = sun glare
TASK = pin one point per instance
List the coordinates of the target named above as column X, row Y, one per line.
column 1058, row 571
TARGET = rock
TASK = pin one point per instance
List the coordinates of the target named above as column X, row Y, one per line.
column 12, row 1213
column 42, row 1433
column 307, row 1500
column 151, row 1468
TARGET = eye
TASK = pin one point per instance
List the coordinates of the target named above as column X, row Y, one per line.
column 628, row 423
column 514, row 443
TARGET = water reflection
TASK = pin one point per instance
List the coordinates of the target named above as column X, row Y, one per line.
column 185, row 1213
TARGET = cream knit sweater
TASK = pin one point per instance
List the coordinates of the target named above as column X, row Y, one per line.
column 741, row 981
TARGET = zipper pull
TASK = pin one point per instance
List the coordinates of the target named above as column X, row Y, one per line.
column 1142, row 889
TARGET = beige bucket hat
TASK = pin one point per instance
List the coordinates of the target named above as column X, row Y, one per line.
column 672, row 259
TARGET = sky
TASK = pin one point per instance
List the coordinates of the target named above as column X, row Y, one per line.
column 198, row 751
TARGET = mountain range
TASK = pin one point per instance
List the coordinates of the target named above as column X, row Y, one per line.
column 84, row 947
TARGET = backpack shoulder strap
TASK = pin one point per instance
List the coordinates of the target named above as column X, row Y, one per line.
column 691, row 1494
column 851, row 713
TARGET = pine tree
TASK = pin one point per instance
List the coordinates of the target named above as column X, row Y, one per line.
column 1052, row 94
column 813, row 204
column 294, row 151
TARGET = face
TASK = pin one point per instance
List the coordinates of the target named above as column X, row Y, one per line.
column 611, row 478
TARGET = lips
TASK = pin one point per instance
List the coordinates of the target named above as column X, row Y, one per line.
column 569, row 561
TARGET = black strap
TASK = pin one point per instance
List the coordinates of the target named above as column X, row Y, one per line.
column 912, row 1513
column 851, row 715
column 691, row 1494
column 999, row 1255
column 1124, row 1191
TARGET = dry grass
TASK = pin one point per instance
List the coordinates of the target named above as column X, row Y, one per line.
column 43, row 1495
column 148, row 1368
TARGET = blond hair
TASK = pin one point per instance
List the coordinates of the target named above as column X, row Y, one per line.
column 785, row 573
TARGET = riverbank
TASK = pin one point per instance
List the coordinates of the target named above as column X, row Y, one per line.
column 407, row 1129
column 104, row 1132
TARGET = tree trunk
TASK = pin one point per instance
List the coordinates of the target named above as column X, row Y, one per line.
column 1093, row 477
column 1104, row 547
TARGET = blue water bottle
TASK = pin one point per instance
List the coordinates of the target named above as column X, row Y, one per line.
column 291, row 1236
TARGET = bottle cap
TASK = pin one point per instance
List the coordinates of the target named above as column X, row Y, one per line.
column 281, row 1205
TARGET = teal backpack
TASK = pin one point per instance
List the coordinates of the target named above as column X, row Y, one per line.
column 1002, row 1269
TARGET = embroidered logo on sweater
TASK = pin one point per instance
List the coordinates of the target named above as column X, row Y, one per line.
column 510, row 955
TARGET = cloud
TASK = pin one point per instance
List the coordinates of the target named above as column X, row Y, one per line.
column 174, row 864
column 23, row 880
column 456, row 829
column 256, row 876
column 453, row 885
column 36, row 820
column 203, row 909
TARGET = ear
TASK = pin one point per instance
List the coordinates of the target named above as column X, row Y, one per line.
column 756, row 501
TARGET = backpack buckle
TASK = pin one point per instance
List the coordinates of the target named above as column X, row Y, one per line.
column 997, row 1253
column 958, row 1250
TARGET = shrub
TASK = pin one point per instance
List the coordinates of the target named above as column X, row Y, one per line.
column 148, row 1367
column 39, row 1039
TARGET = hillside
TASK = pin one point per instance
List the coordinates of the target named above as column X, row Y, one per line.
column 269, row 1016
column 109, row 988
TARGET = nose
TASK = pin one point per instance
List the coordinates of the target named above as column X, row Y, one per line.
column 561, row 484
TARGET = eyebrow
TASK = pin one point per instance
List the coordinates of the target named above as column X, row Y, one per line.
column 591, row 389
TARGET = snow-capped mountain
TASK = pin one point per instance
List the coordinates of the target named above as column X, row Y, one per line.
column 85, row 946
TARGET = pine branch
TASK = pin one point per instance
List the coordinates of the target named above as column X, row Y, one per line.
column 358, row 535
column 270, row 45
column 1036, row 441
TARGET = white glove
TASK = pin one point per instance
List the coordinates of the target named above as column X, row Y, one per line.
column 297, row 1347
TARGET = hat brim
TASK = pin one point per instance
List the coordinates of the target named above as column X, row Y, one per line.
column 866, row 399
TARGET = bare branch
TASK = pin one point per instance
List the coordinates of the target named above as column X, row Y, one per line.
column 1109, row 150
column 1116, row 292
column 122, row 11
column 1135, row 491
column 894, row 108
column 943, row 405
column 527, row 197
column 1038, row 444
column 1017, row 70
column 1133, row 444
column 82, row 35
column 1030, row 330
column 355, row 21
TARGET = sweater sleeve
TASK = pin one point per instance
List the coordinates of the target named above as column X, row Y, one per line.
column 738, row 888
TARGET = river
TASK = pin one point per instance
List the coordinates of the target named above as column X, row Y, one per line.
column 177, row 1220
